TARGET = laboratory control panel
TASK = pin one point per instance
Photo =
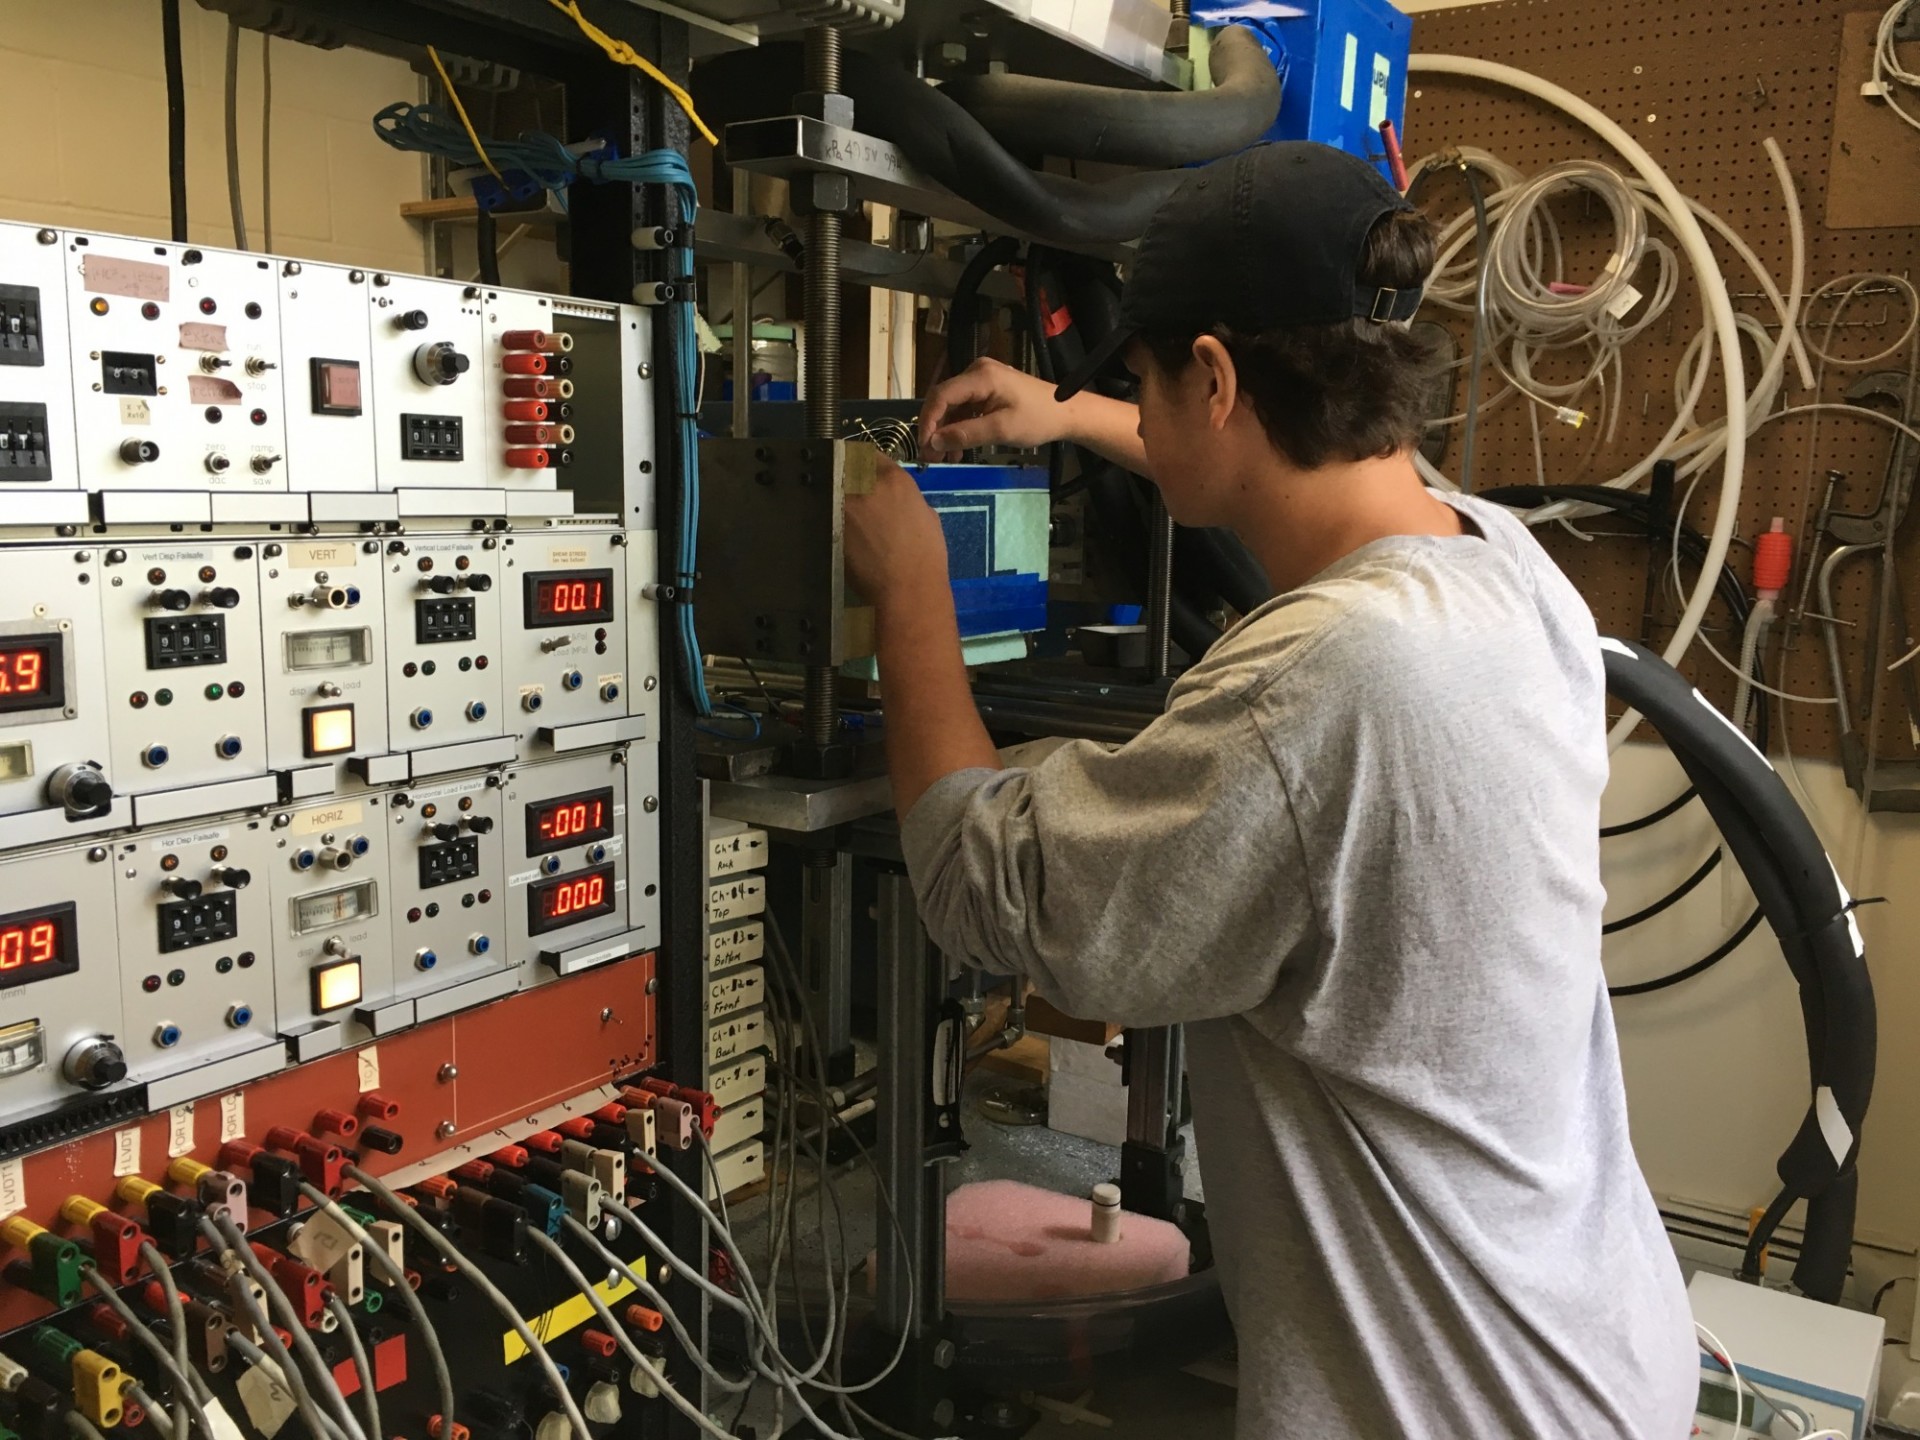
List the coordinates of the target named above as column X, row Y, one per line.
column 328, row 662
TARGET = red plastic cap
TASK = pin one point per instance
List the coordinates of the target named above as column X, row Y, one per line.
column 337, row 1122
column 598, row 1342
column 525, row 409
column 641, row 1318
column 514, row 1157
column 1772, row 561
column 524, row 458
column 524, row 363
column 376, row 1106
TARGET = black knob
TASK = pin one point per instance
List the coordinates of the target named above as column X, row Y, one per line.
column 234, row 878
column 139, row 452
column 480, row 824
column 411, row 320
column 172, row 599
column 79, row 789
column 440, row 584
column 96, row 1063
column 444, row 831
column 480, row 583
column 453, row 364
column 181, row 887
column 223, row 597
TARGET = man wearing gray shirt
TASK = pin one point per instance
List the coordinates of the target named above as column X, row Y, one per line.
column 1357, row 857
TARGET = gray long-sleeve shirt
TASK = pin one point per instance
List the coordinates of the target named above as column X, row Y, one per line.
column 1358, row 858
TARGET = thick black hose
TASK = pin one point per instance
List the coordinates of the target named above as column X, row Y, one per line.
column 1157, row 128
column 1810, row 914
column 944, row 141
column 176, row 118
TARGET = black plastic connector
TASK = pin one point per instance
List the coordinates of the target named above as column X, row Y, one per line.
column 498, row 1227
column 381, row 1139
column 174, row 1223
column 274, row 1185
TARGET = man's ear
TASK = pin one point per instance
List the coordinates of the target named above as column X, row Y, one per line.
column 1222, row 381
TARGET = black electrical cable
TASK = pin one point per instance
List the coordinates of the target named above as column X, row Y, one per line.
column 1652, row 817
column 176, row 118
column 1720, row 952
column 486, row 240
column 1667, row 901
column 963, row 314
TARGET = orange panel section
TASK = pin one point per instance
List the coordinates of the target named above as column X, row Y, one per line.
column 475, row 1070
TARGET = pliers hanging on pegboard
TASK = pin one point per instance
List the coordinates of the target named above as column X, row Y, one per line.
column 1867, row 535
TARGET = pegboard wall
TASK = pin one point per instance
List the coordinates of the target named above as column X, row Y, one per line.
column 1700, row 85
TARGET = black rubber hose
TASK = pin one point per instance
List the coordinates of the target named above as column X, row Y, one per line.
column 1157, row 128
column 944, row 141
column 963, row 316
column 1810, row 914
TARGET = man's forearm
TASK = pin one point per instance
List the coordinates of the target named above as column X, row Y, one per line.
column 1110, row 428
column 932, row 727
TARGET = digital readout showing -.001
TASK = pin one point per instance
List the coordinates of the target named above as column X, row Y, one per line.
column 569, row 820
column 569, row 899
column 32, row 676
column 38, row 944
column 566, row 597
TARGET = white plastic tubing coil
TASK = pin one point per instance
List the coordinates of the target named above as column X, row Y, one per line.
column 1714, row 298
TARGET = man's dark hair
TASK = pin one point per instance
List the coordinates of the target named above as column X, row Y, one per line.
column 1352, row 390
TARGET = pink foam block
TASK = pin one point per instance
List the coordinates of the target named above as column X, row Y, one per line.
column 1007, row 1242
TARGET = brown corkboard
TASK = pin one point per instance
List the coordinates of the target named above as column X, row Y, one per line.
column 1699, row 85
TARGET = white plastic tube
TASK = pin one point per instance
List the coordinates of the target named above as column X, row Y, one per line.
column 1714, row 297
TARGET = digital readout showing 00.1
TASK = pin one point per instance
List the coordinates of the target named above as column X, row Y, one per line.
column 566, row 597
column 569, row 899
column 569, row 820
column 37, row 945
column 31, row 673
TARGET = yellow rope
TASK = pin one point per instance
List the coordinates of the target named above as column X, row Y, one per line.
column 453, row 95
column 621, row 53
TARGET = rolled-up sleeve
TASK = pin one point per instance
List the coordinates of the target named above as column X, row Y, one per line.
column 1159, row 883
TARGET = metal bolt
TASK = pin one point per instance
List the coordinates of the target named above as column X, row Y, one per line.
column 606, row 1015
column 943, row 1355
column 649, row 684
column 653, row 987
column 383, row 280
column 650, row 804
column 46, row 237
column 445, row 1129
column 646, row 371
column 449, row 1072
column 292, row 267
column 943, row 1413
column 356, row 276
column 97, row 854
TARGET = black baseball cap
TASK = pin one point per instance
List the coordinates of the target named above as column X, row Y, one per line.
column 1269, row 237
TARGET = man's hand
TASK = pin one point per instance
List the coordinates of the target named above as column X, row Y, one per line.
column 990, row 404
column 894, row 544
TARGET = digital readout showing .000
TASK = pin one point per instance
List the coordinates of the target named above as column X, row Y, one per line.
column 569, row 899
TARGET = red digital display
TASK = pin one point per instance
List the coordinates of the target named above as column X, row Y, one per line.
column 32, row 675
column 569, row 820
column 569, row 899
column 561, row 597
column 37, row 945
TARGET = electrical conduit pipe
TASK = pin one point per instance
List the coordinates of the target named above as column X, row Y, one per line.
column 1714, row 297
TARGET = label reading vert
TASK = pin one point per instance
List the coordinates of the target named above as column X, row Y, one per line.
column 328, row 817
column 322, row 555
